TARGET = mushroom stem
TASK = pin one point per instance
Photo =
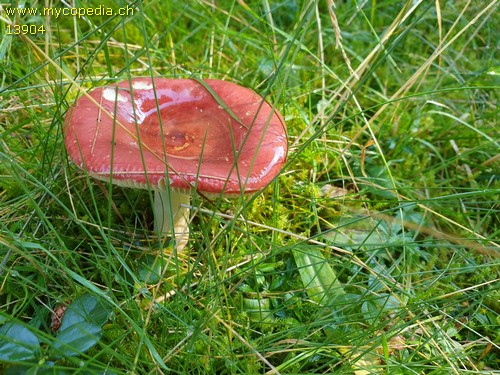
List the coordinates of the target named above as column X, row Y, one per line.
column 171, row 217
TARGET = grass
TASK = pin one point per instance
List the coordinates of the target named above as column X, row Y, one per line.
column 376, row 249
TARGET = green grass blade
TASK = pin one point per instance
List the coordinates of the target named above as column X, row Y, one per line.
column 318, row 276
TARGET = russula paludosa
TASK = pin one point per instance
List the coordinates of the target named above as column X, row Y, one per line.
column 175, row 135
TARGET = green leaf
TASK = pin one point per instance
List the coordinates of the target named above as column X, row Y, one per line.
column 81, row 326
column 258, row 310
column 382, row 304
column 150, row 269
column 317, row 275
column 76, row 339
column 17, row 343
column 86, row 308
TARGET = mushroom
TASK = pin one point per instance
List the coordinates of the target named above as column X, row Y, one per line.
column 175, row 135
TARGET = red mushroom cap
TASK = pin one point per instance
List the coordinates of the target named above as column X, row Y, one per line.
column 212, row 134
